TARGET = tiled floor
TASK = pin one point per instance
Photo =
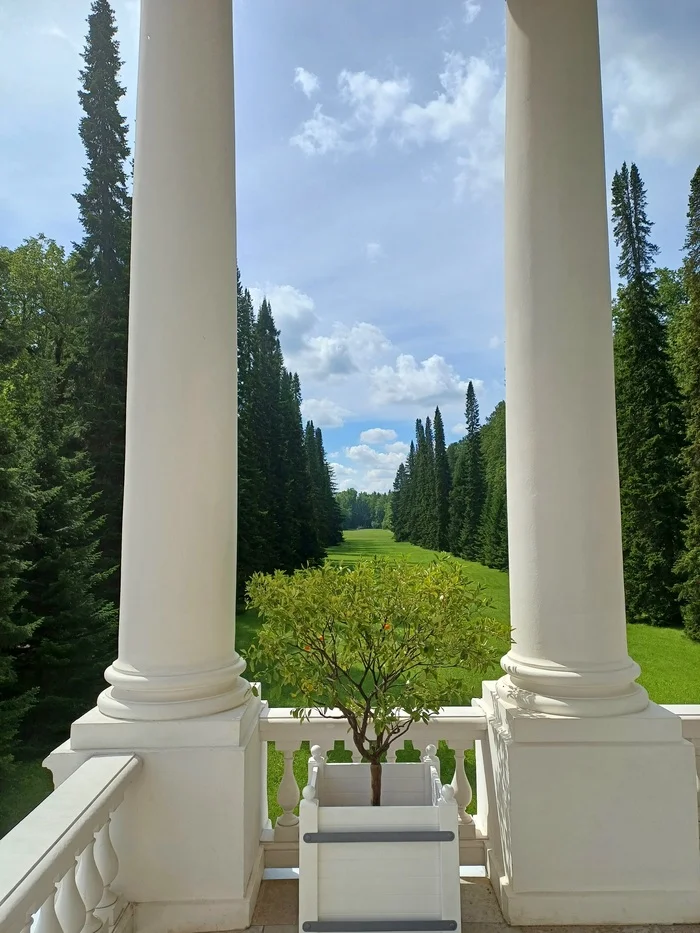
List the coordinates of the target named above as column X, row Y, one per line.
column 277, row 912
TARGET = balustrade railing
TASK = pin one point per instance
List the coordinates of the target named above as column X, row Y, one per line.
column 459, row 728
column 690, row 716
column 58, row 865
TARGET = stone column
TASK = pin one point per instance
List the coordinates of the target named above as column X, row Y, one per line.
column 589, row 781
column 566, row 583
column 176, row 632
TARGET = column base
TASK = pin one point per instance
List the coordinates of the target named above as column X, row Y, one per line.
column 595, row 818
column 187, row 834
column 140, row 696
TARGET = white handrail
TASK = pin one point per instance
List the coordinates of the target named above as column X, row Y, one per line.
column 42, row 850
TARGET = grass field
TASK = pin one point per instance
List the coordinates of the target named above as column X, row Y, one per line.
column 670, row 670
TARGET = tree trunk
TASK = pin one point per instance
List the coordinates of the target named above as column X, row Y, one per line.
column 375, row 770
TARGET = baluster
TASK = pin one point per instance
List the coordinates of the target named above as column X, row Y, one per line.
column 287, row 826
column 107, row 865
column 47, row 921
column 70, row 907
column 91, row 888
column 431, row 757
column 462, row 787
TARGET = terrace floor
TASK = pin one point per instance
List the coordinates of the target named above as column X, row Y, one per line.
column 277, row 912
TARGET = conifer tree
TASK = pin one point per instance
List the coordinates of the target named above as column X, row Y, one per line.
column 689, row 370
column 442, row 486
column 17, row 522
column 494, row 525
column 103, row 257
column 332, row 527
column 649, row 419
column 398, row 504
column 469, row 488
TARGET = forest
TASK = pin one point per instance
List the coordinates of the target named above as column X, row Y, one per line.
column 63, row 353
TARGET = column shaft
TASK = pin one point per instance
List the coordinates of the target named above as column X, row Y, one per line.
column 176, row 635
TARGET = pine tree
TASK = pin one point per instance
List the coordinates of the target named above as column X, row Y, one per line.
column 689, row 369
column 469, row 488
column 649, row 418
column 103, row 257
column 442, row 486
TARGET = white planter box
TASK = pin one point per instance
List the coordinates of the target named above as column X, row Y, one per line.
column 388, row 868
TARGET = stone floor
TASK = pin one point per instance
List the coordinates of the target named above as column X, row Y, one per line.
column 277, row 912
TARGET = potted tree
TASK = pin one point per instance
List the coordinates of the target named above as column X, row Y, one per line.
column 378, row 644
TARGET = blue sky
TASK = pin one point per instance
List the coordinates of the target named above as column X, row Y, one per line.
column 369, row 161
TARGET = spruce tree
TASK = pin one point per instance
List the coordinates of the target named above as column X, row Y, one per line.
column 332, row 527
column 17, row 522
column 442, row 486
column 494, row 524
column 399, row 523
column 689, row 369
column 103, row 257
column 409, row 497
column 469, row 488
column 649, row 419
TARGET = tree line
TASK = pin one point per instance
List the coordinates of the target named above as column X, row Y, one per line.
column 364, row 509
column 63, row 356
column 453, row 498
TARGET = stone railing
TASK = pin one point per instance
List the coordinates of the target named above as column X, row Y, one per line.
column 460, row 728
column 57, row 866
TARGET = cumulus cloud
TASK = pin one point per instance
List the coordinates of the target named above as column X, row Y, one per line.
column 345, row 477
column 471, row 11
column 346, row 350
column 433, row 380
column 324, row 413
column 651, row 90
column 292, row 310
column 459, row 429
column 468, row 113
column 374, row 251
column 376, row 436
column 398, row 447
column 319, row 134
column 306, row 80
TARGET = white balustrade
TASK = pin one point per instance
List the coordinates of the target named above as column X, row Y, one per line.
column 57, row 866
column 690, row 717
column 459, row 727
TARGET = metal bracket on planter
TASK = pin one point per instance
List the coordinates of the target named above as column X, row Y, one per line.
column 427, row 835
column 379, row 926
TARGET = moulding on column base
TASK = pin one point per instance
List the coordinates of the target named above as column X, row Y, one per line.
column 138, row 696
column 597, row 817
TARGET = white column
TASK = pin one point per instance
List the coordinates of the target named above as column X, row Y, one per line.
column 176, row 634
column 587, row 780
column 566, row 582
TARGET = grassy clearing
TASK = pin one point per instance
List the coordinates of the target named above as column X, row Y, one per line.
column 670, row 672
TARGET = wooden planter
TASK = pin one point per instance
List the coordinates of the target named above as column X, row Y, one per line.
column 388, row 868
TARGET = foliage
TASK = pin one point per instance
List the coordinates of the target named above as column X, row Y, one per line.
column 649, row 417
column 362, row 509
column 688, row 368
column 469, row 489
column 368, row 642
column 103, row 262
column 443, row 482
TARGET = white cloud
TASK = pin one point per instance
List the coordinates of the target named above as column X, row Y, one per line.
column 398, row 447
column 652, row 93
column 324, row 413
column 345, row 476
column 459, row 429
column 376, row 436
column 471, row 11
column 468, row 113
column 346, row 350
column 495, row 342
column 306, row 80
column 374, row 102
column 374, row 251
column 376, row 469
column 433, row 380
column 319, row 134
column 292, row 310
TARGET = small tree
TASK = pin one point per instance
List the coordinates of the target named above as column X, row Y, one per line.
column 373, row 644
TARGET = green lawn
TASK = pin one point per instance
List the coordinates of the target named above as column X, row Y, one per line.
column 670, row 671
